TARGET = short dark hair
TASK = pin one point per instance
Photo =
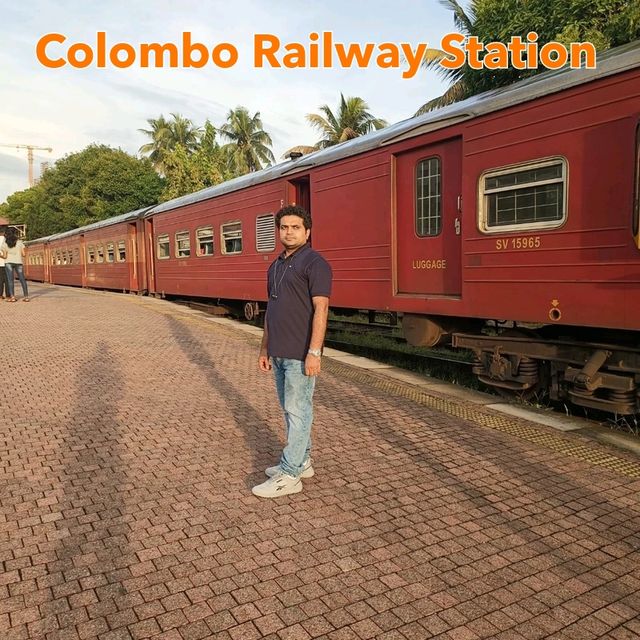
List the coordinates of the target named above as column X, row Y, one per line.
column 294, row 210
column 12, row 236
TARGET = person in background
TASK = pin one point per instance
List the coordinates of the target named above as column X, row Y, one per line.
column 299, row 286
column 12, row 251
column 3, row 274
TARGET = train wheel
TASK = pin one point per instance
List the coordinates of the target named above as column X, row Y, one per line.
column 538, row 391
column 251, row 311
column 528, row 383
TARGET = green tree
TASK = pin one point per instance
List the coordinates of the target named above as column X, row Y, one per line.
column 186, row 173
column 26, row 207
column 249, row 144
column 606, row 23
column 96, row 183
column 350, row 121
column 166, row 135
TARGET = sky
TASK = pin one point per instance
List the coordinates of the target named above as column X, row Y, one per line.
column 69, row 108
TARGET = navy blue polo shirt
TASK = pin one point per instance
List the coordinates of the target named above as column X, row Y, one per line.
column 291, row 283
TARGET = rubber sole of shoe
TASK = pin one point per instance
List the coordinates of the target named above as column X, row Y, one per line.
column 296, row 488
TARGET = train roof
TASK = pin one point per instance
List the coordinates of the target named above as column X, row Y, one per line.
column 125, row 217
column 613, row 61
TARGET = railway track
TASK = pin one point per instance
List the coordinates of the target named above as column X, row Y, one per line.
column 387, row 353
column 383, row 342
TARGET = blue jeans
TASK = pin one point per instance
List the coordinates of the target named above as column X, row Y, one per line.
column 295, row 393
column 9, row 268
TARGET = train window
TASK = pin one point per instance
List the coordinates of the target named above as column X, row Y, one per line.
column 63, row 256
column 531, row 196
column 428, row 197
column 122, row 251
column 266, row 233
column 111, row 252
column 91, row 255
column 163, row 247
column 58, row 257
column 99, row 253
column 204, row 240
column 183, row 244
column 76, row 255
column 231, row 233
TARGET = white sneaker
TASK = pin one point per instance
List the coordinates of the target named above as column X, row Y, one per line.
column 279, row 485
column 307, row 470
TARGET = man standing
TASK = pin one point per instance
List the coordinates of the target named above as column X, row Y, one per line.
column 298, row 286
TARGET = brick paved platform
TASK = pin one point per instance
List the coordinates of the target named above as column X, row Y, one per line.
column 132, row 431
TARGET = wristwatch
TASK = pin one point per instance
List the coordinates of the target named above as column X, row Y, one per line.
column 315, row 352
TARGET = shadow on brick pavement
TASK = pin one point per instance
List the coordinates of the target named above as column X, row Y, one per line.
column 132, row 430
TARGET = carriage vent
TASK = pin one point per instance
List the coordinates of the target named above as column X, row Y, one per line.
column 265, row 233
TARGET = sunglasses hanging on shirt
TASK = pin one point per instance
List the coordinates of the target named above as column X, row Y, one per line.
column 277, row 283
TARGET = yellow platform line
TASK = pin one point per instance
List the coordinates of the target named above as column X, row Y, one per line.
column 489, row 419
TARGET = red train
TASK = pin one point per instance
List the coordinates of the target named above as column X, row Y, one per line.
column 520, row 206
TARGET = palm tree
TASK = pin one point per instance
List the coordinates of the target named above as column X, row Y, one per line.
column 351, row 120
column 605, row 23
column 248, row 147
column 166, row 135
column 160, row 134
column 185, row 133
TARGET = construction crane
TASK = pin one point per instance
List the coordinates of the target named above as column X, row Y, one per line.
column 30, row 148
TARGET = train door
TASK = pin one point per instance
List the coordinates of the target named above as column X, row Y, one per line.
column 149, row 254
column 132, row 258
column 83, row 261
column 47, row 264
column 299, row 193
column 428, row 219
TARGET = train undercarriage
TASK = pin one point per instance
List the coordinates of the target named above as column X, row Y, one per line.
column 590, row 368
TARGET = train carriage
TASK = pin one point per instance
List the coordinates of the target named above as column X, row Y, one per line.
column 104, row 255
column 218, row 248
